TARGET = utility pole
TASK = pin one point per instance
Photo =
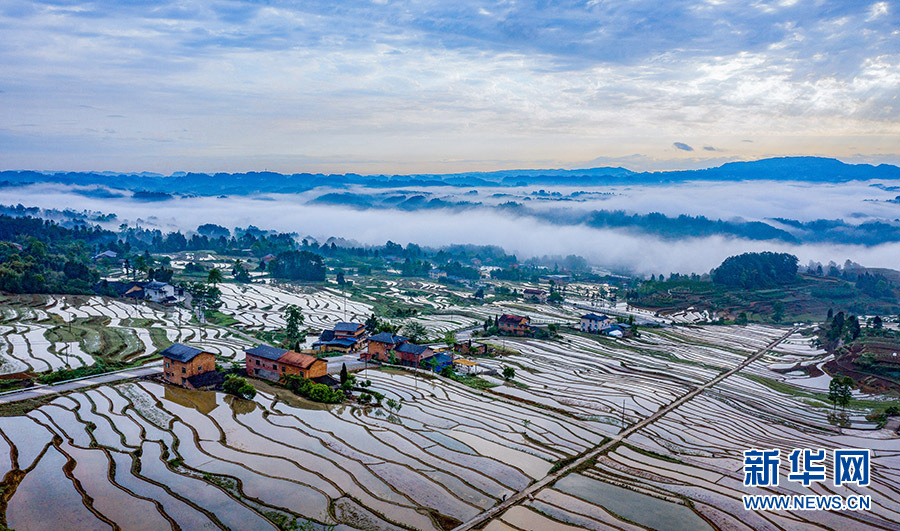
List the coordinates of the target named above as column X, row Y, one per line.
column 623, row 413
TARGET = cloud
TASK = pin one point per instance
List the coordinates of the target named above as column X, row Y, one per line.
column 709, row 148
column 682, row 146
column 421, row 83
column 614, row 249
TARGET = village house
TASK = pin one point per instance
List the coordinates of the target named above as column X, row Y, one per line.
column 344, row 337
column 160, row 292
column 514, row 325
column 108, row 255
column 435, row 274
column 271, row 363
column 185, row 366
column 412, row 355
column 535, row 295
column 593, row 323
column 381, row 344
column 344, row 329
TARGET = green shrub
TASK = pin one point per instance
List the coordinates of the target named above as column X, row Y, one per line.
column 239, row 386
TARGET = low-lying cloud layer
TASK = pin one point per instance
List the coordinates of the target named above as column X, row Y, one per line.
column 619, row 250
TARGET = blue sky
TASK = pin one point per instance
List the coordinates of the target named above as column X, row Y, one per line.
column 425, row 86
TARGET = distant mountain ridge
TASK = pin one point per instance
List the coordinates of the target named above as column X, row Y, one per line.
column 804, row 169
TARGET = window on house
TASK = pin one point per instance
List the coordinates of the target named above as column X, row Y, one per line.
column 257, row 362
column 183, row 370
column 282, row 368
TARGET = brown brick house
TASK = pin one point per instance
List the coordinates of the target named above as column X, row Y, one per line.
column 381, row 344
column 271, row 363
column 181, row 362
column 514, row 325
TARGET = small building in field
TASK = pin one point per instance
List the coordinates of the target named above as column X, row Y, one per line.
column 535, row 295
column 271, row 363
column 344, row 337
column 262, row 361
column 471, row 348
column 381, row 344
column 436, row 274
column 108, row 255
column 181, row 363
column 161, row 292
column 439, row 361
column 515, row 325
column 303, row 365
column 594, row 323
column 412, row 355
column 267, row 258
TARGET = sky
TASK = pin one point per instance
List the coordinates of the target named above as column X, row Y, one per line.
column 422, row 86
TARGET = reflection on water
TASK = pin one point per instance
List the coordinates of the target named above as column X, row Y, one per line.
column 640, row 508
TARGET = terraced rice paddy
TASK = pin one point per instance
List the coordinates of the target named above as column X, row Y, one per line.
column 141, row 452
column 143, row 455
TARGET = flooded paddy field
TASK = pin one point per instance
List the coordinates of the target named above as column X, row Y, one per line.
column 144, row 455
column 161, row 456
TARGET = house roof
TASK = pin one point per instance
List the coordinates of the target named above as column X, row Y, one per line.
column 441, row 359
column 267, row 352
column 509, row 318
column 155, row 284
column 341, row 342
column 207, row 379
column 326, row 335
column 388, row 338
column 411, row 348
column 304, row 361
column 182, row 353
column 595, row 317
column 531, row 291
column 347, row 327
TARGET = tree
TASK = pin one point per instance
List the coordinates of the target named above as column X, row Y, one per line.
column 293, row 319
column 415, row 331
column 372, row 324
column 834, row 391
column 297, row 265
column 742, row 318
column 509, row 373
column 340, row 278
column 238, row 386
column 877, row 323
column 487, row 324
column 846, row 392
column 344, row 373
column 479, row 293
column 830, row 315
column 756, row 270
column 204, row 297
column 778, row 311
column 393, row 404
column 449, row 339
column 214, row 277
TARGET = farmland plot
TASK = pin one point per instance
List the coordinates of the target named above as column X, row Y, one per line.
column 261, row 306
column 154, row 454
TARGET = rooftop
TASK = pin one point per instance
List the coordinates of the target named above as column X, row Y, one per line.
column 347, row 327
column 267, row 352
column 182, row 353
column 390, row 339
column 304, row 361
